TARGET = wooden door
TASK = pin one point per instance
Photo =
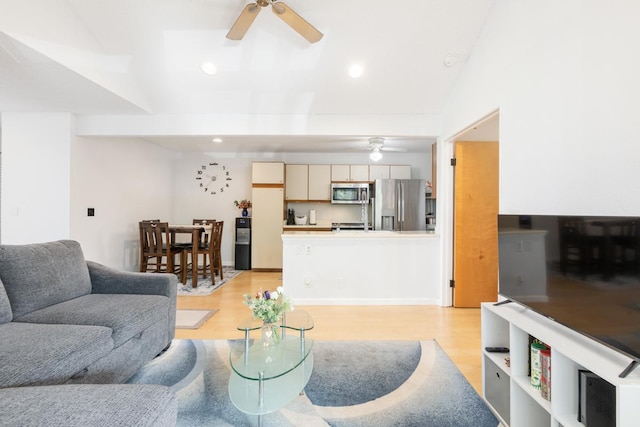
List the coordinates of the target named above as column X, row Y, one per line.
column 475, row 265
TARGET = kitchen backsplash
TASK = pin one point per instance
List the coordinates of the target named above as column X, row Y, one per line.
column 327, row 212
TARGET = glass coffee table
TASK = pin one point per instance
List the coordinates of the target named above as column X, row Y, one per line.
column 264, row 379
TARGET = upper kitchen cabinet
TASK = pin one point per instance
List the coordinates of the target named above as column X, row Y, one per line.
column 378, row 172
column 267, row 173
column 297, row 187
column 320, row 183
column 359, row 172
column 389, row 172
column 350, row 173
column 308, row 183
column 400, row 172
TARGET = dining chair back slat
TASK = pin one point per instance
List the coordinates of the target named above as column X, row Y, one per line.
column 157, row 253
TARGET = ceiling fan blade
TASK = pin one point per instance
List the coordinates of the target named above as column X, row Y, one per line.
column 296, row 22
column 244, row 21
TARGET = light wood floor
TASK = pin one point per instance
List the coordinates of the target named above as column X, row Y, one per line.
column 457, row 330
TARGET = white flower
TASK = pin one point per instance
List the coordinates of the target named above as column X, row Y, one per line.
column 280, row 289
column 274, row 295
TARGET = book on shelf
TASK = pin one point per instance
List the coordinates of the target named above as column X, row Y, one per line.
column 540, row 366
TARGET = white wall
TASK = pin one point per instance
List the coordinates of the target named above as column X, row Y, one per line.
column 35, row 177
column 564, row 76
column 125, row 180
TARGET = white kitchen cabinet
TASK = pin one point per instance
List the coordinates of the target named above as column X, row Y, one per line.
column 350, row 173
column 507, row 387
column 340, row 173
column 359, row 172
column 267, row 173
column 319, row 182
column 400, row 172
column 378, row 172
column 297, row 187
column 266, row 227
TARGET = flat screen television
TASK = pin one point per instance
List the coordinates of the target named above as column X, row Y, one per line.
column 582, row 272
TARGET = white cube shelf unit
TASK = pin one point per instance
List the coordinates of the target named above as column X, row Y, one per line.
column 508, row 390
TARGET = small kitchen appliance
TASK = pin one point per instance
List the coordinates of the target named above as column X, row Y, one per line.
column 291, row 215
column 355, row 193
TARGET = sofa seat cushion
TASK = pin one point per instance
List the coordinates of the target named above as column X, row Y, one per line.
column 126, row 315
column 89, row 405
column 34, row 354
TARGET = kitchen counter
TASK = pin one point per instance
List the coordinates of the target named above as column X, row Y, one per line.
column 362, row 268
column 359, row 234
column 317, row 227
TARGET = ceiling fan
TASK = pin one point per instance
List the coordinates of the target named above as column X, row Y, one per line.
column 376, row 145
column 282, row 11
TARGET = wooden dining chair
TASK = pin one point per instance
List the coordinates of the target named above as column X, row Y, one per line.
column 209, row 248
column 216, row 234
column 143, row 243
column 157, row 253
column 205, row 247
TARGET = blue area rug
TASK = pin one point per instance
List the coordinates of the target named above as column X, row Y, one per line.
column 354, row 383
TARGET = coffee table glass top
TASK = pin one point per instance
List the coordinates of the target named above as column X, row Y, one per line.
column 298, row 320
column 273, row 361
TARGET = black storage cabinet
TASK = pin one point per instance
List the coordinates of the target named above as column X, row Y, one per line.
column 243, row 243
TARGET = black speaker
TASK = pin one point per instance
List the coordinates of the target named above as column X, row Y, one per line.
column 597, row 401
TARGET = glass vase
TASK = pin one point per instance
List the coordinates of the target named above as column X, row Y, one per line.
column 270, row 334
column 245, row 212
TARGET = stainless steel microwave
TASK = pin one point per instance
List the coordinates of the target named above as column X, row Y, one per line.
column 350, row 193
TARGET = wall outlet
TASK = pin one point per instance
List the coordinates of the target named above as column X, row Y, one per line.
column 307, row 282
column 307, row 249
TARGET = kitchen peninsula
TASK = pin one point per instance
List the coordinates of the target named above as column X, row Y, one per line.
column 362, row 268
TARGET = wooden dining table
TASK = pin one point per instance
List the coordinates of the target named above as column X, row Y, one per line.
column 195, row 231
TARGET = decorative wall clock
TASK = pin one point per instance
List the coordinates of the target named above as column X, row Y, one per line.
column 213, row 178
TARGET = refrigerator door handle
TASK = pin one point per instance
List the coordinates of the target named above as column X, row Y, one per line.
column 400, row 206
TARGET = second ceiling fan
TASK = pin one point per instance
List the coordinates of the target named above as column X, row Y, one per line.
column 282, row 11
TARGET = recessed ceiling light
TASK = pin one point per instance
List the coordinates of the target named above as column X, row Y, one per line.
column 217, row 140
column 208, row 68
column 356, row 70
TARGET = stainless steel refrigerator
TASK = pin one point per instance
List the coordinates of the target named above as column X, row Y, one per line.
column 399, row 205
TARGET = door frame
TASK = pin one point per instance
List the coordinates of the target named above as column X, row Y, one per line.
column 445, row 207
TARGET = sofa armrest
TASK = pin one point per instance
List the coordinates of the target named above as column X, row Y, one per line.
column 107, row 280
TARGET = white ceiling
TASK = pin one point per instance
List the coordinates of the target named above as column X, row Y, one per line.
column 141, row 57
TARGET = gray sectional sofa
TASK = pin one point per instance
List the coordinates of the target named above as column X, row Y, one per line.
column 64, row 320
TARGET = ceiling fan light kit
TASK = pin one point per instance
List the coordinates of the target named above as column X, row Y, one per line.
column 375, row 155
column 376, row 145
column 282, row 11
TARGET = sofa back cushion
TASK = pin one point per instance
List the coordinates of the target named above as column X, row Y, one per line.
column 42, row 274
column 5, row 306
